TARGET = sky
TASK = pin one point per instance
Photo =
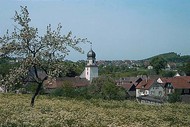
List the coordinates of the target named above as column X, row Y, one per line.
column 118, row 29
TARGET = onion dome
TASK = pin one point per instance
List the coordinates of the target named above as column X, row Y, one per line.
column 91, row 53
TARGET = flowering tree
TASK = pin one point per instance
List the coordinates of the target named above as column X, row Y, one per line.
column 38, row 53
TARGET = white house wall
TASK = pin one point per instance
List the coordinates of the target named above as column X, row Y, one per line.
column 87, row 71
column 83, row 74
column 159, row 80
column 146, row 92
column 140, row 92
column 93, row 72
column 157, row 91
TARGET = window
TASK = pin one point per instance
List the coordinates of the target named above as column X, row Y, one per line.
column 152, row 92
column 170, row 91
column 186, row 90
column 160, row 93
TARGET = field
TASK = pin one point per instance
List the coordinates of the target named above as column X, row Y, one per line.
column 15, row 111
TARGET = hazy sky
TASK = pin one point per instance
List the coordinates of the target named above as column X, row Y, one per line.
column 118, row 29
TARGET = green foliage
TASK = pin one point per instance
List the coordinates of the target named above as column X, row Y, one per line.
column 175, row 97
column 158, row 64
column 102, row 87
column 71, row 69
column 110, row 69
column 6, row 64
column 185, row 59
column 66, row 90
column 173, row 57
column 186, row 69
column 31, row 88
column 168, row 73
column 105, row 87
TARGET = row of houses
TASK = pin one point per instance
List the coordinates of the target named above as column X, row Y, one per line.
column 144, row 89
column 156, row 89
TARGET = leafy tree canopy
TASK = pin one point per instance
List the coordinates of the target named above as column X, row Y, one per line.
column 105, row 87
column 158, row 64
column 186, row 69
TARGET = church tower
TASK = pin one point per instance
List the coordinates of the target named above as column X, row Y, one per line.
column 91, row 69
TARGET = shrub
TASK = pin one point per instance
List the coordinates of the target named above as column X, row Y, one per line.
column 102, row 87
column 174, row 97
column 105, row 87
column 65, row 90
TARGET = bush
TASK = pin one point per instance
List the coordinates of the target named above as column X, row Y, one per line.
column 31, row 88
column 174, row 97
column 105, row 88
column 102, row 87
column 168, row 73
column 65, row 90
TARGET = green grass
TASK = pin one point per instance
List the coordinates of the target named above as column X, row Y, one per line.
column 15, row 111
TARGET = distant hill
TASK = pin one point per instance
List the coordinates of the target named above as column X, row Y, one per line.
column 172, row 57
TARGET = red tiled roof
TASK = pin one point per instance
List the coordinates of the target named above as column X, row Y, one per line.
column 145, row 84
column 178, row 82
column 187, row 78
column 128, row 82
column 127, row 86
column 74, row 81
column 164, row 80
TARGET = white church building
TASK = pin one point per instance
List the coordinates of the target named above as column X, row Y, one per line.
column 91, row 68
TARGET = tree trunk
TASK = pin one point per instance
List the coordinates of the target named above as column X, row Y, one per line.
column 35, row 94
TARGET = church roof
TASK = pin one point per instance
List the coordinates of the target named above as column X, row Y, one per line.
column 91, row 53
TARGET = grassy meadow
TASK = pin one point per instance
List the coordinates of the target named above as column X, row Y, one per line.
column 15, row 111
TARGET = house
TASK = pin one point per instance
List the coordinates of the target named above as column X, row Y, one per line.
column 134, row 80
column 178, row 83
column 163, row 86
column 150, row 91
column 130, row 89
column 129, row 84
column 177, row 74
column 143, row 87
column 160, row 88
column 150, row 67
column 150, row 100
column 157, row 90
